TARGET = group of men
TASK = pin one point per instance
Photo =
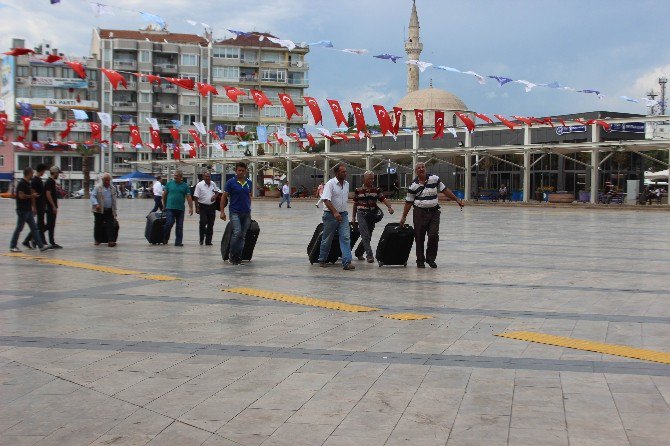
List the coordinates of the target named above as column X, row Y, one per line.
column 35, row 198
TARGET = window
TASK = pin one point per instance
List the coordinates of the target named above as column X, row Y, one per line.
column 191, row 101
column 226, row 52
column 189, row 60
column 22, row 71
column 107, row 97
column 272, row 57
column 43, row 71
column 189, row 119
column 145, row 56
column 145, row 98
column 272, row 111
column 225, row 73
column 23, row 162
column 43, row 92
column 22, row 92
column 225, row 109
column 91, row 75
column 190, row 76
column 2, row 160
column 273, row 75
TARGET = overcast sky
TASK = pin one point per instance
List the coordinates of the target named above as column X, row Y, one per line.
column 619, row 47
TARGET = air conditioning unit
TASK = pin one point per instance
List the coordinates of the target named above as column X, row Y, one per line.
column 92, row 84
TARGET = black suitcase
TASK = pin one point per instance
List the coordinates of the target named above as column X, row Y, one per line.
column 100, row 234
column 153, row 231
column 314, row 246
column 395, row 244
column 249, row 241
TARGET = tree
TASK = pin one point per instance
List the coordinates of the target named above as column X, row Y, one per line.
column 86, row 151
column 350, row 120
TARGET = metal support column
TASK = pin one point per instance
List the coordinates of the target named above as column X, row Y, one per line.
column 415, row 149
column 595, row 175
column 289, row 172
column 467, row 188
column 526, row 175
column 326, row 161
column 368, row 149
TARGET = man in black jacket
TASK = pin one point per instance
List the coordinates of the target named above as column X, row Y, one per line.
column 37, row 186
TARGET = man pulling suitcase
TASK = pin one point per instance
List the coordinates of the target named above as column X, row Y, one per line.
column 237, row 192
column 365, row 210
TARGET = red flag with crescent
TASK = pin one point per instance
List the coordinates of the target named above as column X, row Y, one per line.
column 96, row 131
column 115, row 78
column 311, row 140
column 213, row 134
column 297, row 139
column 233, row 93
column 196, row 137
column 187, row 84
column 548, row 121
column 224, row 147
column 469, row 123
column 439, row 124
column 526, row 121
column 314, row 109
column 26, row 124
column 3, row 125
column 384, row 119
column 599, row 122
column 19, row 52
column 52, row 58
column 483, row 117
column 77, row 68
column 151, row 78
column 337, row 112
column 135, row 138
column 192, row 152
column 176, row 153
column 341, row 135
column 508, row 123
column 48, row 121
column 359, row 117
column 397, row 114
column 155, row 137
column 259, row 98
column 68, row 126
column 418, row 114
column 289, row 106
column 205, row 89
column 175, row 134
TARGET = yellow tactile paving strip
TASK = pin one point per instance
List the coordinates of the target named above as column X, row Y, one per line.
column 301, row 300
column 407, row 316
column 92, row 267
column 591, row 346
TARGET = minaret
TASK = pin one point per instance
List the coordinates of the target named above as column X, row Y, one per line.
column 413, row 48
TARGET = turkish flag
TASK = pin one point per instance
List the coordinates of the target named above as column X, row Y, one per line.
column 311, row 140
column 526, row 121
column 418, row 114
column 111, row 130
column 561, row 121
column 579, row 120
column 51, row 58
column 289, row 106
column 192, row 152
column 96, row 131
column 548, row 121
column 115, row 78
column 205, row 89
column 213, row 135
column 314, row 108
column 19, row 52
column 155, row 137
column 224, row 147
column 176, row 153
column 536, row 120
column 509, row 124
column 3, row 125
column 188, row 84
column 175, row 135
column 135, row 138
column 233, row 93
column 599, row 122
column 151, row 78
column 483, row 117
column 337, row 112
column 48, row 121
column 297, row 139
column 341, row 135
column 279, row 140
column 384, row 119
column 196, row 137
column 26, row 124
column 77, row 68
column 397, row 114
column 68, row 126
column 439, row 124
column 259, row 98
column 359, row 117
column 469, row 123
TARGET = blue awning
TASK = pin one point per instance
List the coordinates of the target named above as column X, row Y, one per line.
column 6, row 176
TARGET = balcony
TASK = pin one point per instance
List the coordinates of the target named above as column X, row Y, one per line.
column 125, row 106
column 166, row 88
column 166, row 108
column 249, row 62
column 124, row 64
column 298, row 82
column 166, row 68
column 250, row 79
column 166, row 48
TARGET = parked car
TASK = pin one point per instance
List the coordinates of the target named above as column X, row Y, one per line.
column 80, row 193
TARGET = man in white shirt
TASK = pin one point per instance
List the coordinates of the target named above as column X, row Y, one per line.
column 158, row 194
column 336, row 218
column 285, row 195
column 205, row 196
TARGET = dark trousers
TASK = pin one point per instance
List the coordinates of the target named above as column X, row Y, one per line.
column 174, row 216
column 51, row 226
column 158, row 203
column 426, row 221
column 41, row 226
column 207, row 219
column 365, row 227
column 23, row 217
column 104, row 224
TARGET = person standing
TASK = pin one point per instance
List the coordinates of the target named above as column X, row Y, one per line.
column 176, row 191
column 51, row 192
column 335, row 217
column 502, row 193
column 205, row 195
column 237, row 192
column 158, row 194
column 319, row 193
column 285, row 195
column 25, row 209
column 103, row 202
column 422, row 194
column 37, row 186
column 365, row 205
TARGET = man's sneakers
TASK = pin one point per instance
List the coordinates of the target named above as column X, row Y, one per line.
column 44, row 248
column 28, row 245
column 371, row 260
column 15, row 249
column 360, row 257
column 432, row 264
column 420, row 265
column 348, row 267
column 55, row 246
column 316, row 205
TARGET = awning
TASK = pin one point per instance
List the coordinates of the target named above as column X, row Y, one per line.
column 6, row 176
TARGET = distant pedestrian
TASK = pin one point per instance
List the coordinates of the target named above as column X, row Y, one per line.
column 237, row 192
column 176, row 191
column 37, row 185
column 336, row 218
column 205, row 196
column 103, row 201
column 158, row 194
column 319, row 193
column 25, row 211
column 502, row 193
column 285, row 195
column 52, row 196
column 365, row 205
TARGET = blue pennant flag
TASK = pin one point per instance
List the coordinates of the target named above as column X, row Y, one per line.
column 302, row 132
column 323, row 43
column 26, row 109
column 387, row 56
column 501, row 79
column 153, row 19
column 262, row 133
column 220, row 130
column 126, row 118
column 80, row 115
column 176, row 123
column 239, row 33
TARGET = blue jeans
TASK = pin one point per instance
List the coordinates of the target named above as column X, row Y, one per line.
column 285, row 198
column 241, row 223
column 174, row 215
column 330, row 227
column 23, row 217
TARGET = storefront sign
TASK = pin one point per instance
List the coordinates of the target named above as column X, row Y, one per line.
column 59, row 82
column 630, row 127
column 570, row 129
column 64, row 103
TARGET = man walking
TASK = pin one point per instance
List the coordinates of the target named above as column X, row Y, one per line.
column 335, row 217
column 51, row 192
column 37, row 186
column 103, row 201
column 365, row 205
column 422, row 194
column 176, row 191
column 285, row 195
column 158, row 194
column 319, row 193
column 25, row 209
column 237, row 192
column 205, row 206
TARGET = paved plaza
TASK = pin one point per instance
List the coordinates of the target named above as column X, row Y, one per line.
column 123, row 356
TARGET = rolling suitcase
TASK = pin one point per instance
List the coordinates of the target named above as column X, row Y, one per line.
column 249, row 241
column 314, row 246
column 100, row 234
column 153, row 231
column 395, row 244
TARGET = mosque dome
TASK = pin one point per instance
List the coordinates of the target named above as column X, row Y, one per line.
column 431, row 99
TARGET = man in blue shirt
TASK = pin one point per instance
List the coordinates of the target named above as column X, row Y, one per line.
column 237, row 191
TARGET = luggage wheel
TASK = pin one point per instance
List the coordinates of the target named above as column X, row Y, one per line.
column 381, row 264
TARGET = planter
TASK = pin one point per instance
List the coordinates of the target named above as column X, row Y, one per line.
column 560, row 197
column 275, row 193
column 584, row 196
